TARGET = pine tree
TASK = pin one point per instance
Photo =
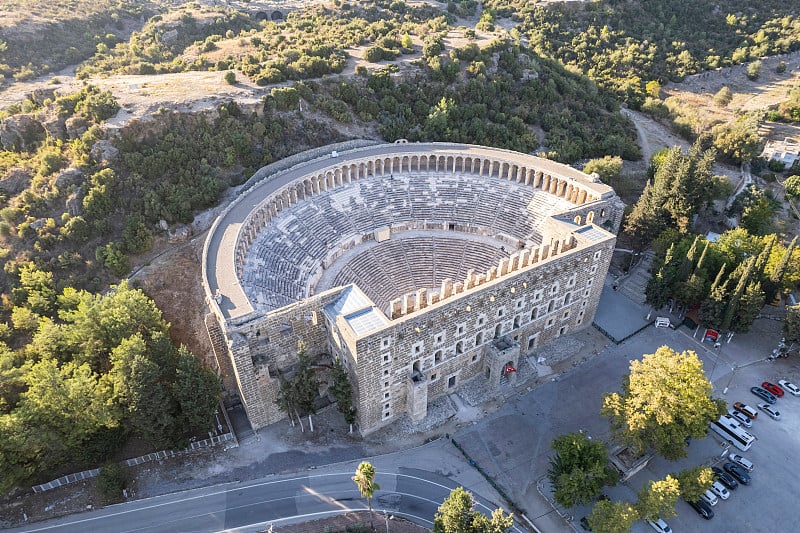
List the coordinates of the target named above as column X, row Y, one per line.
column 342, row 392
column 713, row 309
column 773, row 284
column 763, row 256
column 688, row 262
column 750, row 305
column 746, row 270
column 699, row 266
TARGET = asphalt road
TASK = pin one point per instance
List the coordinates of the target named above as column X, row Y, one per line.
column 410, row 493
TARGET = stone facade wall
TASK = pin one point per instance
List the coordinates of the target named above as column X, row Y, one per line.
column 449, row 339
column 267, row 345
column 427, row 351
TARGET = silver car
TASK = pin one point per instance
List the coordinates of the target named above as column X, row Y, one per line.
column 720, row 490
column 741, row 461
column 741, row 418
column 770, row 410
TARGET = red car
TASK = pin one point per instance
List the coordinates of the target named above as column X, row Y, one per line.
column 774, row 389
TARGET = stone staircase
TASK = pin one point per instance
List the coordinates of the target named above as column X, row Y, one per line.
column 635, row 283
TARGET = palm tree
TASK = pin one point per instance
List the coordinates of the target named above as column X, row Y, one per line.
column 365, row 479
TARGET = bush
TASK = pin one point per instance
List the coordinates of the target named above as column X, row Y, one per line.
column 754, row 70
column 230, row 77
column 111, row 481
column 723, row 97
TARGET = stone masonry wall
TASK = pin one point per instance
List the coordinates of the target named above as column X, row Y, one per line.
column 448, row 340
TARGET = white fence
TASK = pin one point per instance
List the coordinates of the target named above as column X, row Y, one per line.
column 155, row 456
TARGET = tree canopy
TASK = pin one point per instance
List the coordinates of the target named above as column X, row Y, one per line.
column 665, row 399
column 457, row 514
column 97, row 369
column 579, row 469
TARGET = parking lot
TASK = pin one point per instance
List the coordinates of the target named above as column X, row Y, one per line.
column 513, row 444
column 770, row 502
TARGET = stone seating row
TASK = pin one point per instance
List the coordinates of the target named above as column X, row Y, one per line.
column 298, row 239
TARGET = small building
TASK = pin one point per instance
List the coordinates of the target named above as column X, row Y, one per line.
column 786, row 151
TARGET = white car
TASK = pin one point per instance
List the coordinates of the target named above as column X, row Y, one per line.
column 660, row 526
column 770, row 410
column 709, row 498
column 789, row 387
column 741, row 418
column 741, row 461
column 720, row 490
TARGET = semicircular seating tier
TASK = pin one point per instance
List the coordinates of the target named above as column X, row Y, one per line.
column 287, row 257
column 403, row 265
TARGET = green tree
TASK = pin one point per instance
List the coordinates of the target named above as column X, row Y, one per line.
column 712, row 311
column 657, row 499
column 695, row 481
column 740, row 140
column 365, row 481
column 749, row 306
column 579, row 469
column 140, row 391
column 612, row 517
column 76, row 229
column 608, row 167
column 196, row 391
column 757, row 216
column 342, row 392
column 792, row 185
column 457, row 514
column 665, row 399
column 791, row 325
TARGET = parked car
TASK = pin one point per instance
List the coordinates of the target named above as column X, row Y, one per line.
column 774, row 389
column 660, row 526
column 741, row 461
column 741, row 418
column 719, row 489
column 710, row 498
column 585, row 524
column 746, row 410
column 771, row 411
column 725, row 478
column 737, row 472
column 702, row 509
column 763, row 394
column 789, row 387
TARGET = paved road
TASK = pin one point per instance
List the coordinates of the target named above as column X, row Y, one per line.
column 410, row 493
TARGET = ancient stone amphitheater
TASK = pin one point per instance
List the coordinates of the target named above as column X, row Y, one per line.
column 421, row 266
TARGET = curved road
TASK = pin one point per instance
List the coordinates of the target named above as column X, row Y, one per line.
column 253, row 506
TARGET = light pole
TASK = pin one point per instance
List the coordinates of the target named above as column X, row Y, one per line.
column 734, row 368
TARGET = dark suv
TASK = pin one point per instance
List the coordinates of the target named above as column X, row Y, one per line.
column 725, row 478
column 737, row 472
column 702, row 509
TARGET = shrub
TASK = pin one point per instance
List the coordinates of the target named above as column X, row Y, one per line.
column 723, row 97
column 754, row 70
column 111, row 481
column 230, row 77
